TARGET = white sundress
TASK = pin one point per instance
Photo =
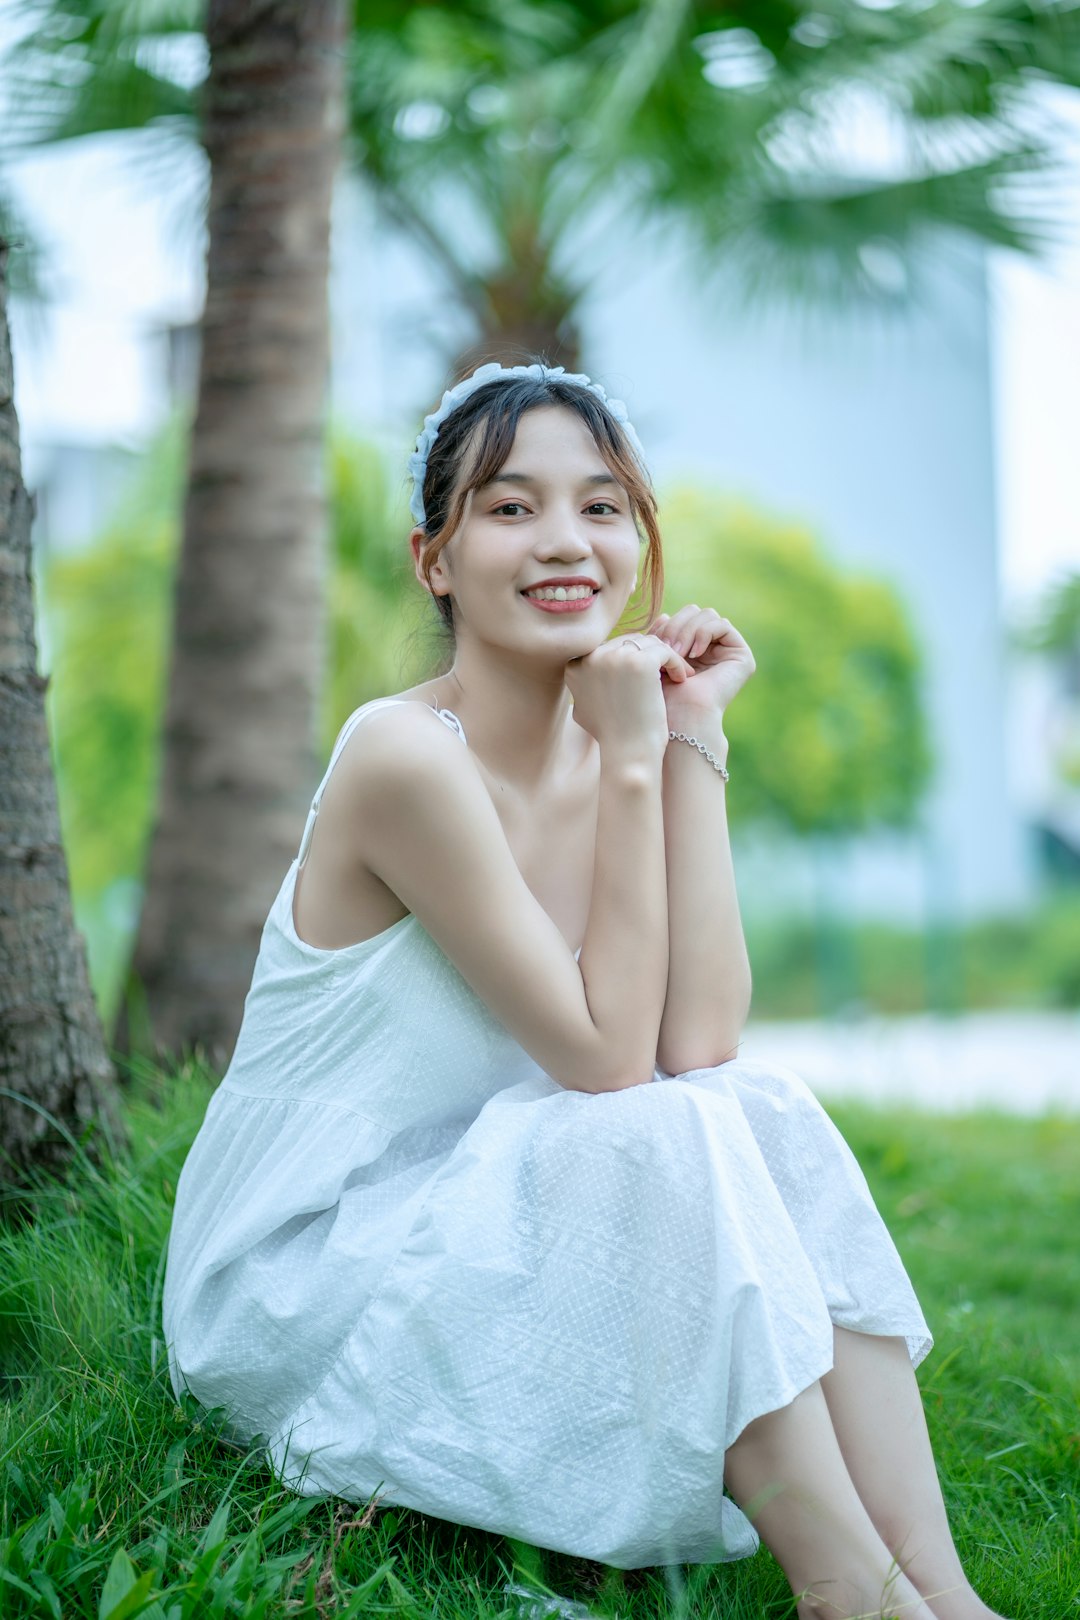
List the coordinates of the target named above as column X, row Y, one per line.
column 410, row 1263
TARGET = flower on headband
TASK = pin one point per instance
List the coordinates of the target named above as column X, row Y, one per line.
column 452, row 398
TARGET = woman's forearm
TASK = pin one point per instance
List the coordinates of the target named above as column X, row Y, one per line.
column 708, row 989
column 623, row 957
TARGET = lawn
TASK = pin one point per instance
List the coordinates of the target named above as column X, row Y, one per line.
column 116, row 1501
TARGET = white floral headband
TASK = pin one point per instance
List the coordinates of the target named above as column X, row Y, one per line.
column 453, row 397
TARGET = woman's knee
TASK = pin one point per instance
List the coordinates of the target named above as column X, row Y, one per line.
column 775, row 1082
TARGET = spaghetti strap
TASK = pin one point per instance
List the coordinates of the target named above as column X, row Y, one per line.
column 343, row 736
column 452, row 721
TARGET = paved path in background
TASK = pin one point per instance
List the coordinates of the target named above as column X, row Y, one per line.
column 1025, row 1063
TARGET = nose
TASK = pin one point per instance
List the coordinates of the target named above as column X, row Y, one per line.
column 564, row 535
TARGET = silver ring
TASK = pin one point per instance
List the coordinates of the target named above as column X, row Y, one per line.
column 638, row 645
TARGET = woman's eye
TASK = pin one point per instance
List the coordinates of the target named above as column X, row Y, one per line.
column 520, row 505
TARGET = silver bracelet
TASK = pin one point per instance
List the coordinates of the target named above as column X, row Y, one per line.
column 680, row 736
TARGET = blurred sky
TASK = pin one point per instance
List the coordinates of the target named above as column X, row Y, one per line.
column 114, row 215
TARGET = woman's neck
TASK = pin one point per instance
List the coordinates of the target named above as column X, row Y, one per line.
column 515, row 719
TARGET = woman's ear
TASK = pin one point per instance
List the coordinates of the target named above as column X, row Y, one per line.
column 417, row 542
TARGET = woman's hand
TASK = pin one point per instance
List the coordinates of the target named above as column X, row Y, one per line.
column 720, row 659
column 618, row 693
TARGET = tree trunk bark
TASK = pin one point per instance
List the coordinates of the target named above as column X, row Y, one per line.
column 528, row 309
column 240, row 731
column 53, row 1060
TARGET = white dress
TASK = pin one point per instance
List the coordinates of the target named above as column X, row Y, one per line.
column 417, row 1266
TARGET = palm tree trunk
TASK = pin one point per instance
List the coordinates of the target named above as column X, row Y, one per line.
column 516, row 344
column 525, row 307
column 239, row 745
column 53, row 1060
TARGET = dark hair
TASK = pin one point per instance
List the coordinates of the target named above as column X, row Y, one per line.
column 499, row 405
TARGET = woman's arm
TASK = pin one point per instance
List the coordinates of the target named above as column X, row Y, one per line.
column 412, row 807
column 408, row 804
column 708, row 989
column 708, row 992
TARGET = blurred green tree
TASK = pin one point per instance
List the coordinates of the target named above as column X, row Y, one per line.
column 376, row 608
column 105, row 612
column 1057, row 622
column 831, row 733
column 1054, row 633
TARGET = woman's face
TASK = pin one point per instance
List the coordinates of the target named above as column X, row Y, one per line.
column 554, row 509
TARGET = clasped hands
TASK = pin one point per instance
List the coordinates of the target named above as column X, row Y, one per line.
column 719, row 658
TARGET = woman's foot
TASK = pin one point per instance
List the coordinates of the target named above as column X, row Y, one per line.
column 966, row 1605
column 950, row 1596
column 927, row 1606
column 893, row 1598
column 892, row 1605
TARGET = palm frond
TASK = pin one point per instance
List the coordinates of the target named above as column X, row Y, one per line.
column 831, row 242
column 81, row 67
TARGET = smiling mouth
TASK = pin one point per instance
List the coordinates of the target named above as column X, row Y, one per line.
column 562, row 593
column 561, row 607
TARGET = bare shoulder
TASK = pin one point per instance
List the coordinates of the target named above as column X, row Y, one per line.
column 410, row 780
column 402, row 741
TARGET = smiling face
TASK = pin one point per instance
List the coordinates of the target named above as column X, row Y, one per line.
column 554, row 511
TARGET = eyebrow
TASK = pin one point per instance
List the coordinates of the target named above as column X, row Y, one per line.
column 525, row 478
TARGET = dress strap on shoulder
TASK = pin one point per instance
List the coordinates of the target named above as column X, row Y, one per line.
column 343, row 736
column 452, row 721
column 346, row 732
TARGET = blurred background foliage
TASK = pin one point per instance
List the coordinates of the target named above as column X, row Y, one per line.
column 830, row 733
column 1029, row 962
column 1054, row 632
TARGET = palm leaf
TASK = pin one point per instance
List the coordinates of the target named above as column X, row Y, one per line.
column 82, row 67
column 529, row 117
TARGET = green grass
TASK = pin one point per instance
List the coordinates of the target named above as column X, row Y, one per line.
column 117, row 1501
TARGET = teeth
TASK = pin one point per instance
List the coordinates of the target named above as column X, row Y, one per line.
column 561, row 593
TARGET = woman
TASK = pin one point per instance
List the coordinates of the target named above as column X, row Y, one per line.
column 487, row 1214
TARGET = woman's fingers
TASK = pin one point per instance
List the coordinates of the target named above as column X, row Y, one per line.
column 672, row 661
column 669, row 659
column 694, row 630
column 676, row 666
column 680, row 629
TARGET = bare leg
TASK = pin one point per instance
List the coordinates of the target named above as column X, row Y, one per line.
column 787, row 1472
column 877, row 1413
